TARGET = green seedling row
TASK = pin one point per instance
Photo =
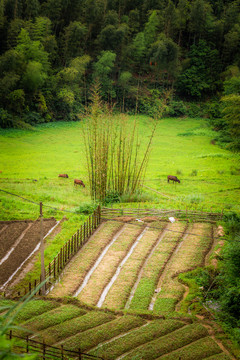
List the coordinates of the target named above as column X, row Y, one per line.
column 119, row 292
column 53, row 317
column 34, row 308
column 168, row 343
column 67, row 329
column 91, row 338
column 135, row 338
column 197, row 350
column 155, row 267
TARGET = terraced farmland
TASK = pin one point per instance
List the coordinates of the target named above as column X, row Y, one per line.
column 134, row 265
column 118, row 297
column 112, row 335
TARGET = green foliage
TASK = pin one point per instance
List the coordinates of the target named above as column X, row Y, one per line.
column 231, row 114
column 102, row 71
column 87, row 208
column 6, row 119
column 201, row 72
column 111, row 197
column 176, row 108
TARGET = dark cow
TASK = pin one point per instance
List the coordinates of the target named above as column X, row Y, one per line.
column 63, row 175
column 173, row 178
column 78, row 182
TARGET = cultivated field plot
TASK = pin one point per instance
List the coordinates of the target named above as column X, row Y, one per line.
column 19, row 240
column 134, row 264
column 110, row 335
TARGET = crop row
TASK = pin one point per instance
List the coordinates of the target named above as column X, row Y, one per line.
column 112, row 336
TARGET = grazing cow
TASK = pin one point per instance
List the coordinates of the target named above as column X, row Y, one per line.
column 173, row 178
column 63, row 175
column 78, row 182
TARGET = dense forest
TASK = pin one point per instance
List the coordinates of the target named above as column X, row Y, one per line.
column 139, row 51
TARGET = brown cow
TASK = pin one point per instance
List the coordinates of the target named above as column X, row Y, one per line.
column 63, row 175
column 78, row 182
column 173, row 178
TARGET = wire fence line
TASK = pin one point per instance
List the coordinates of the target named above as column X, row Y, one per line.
column 110, row 213
column 37, row 203
column 44, row 351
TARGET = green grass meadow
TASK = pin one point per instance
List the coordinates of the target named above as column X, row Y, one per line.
column 209, row 175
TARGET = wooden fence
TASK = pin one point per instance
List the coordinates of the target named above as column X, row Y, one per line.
column 44, row 351
column 70, row 248
column 110, row 213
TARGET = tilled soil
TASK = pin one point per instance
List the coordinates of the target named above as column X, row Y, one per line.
column 10, row 234
column 24, row 248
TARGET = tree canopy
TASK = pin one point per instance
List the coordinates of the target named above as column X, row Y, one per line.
column 134, row 48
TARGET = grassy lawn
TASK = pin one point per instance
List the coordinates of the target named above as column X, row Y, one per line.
column 209, row 175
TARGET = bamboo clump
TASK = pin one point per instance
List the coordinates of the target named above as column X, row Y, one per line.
column 115, row 162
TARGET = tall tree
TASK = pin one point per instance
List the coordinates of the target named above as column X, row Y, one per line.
column 74, row 40
column 103, row 69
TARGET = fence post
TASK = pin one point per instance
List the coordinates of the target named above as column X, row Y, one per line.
column 94, row 214
column 58, row 265
column 54, row 268
column 78, row 238
column 50, row 273
column 62, row 356
column 99, row 214
column 61, row 258
column 79, row 354
column 44, row 350
column 84, row 231
column 30, row 287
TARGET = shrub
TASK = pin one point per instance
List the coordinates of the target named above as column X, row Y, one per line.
column 213, row 109
column 194, row 110
column 177, row 108
column 111, row 197
column 87, row 208
column 6, row 119
column 32, row 117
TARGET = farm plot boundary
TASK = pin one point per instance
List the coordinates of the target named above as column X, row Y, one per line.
column 110, row 213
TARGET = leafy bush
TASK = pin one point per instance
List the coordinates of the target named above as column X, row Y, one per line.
column 194, row 110
column 32, row 117
column 6, row 119
column 111, row 197
column 177, row 108
column 213, row 109
column 87, row 208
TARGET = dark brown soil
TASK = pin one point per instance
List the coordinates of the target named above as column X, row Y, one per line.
column 9, row 235
column 26, row 245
